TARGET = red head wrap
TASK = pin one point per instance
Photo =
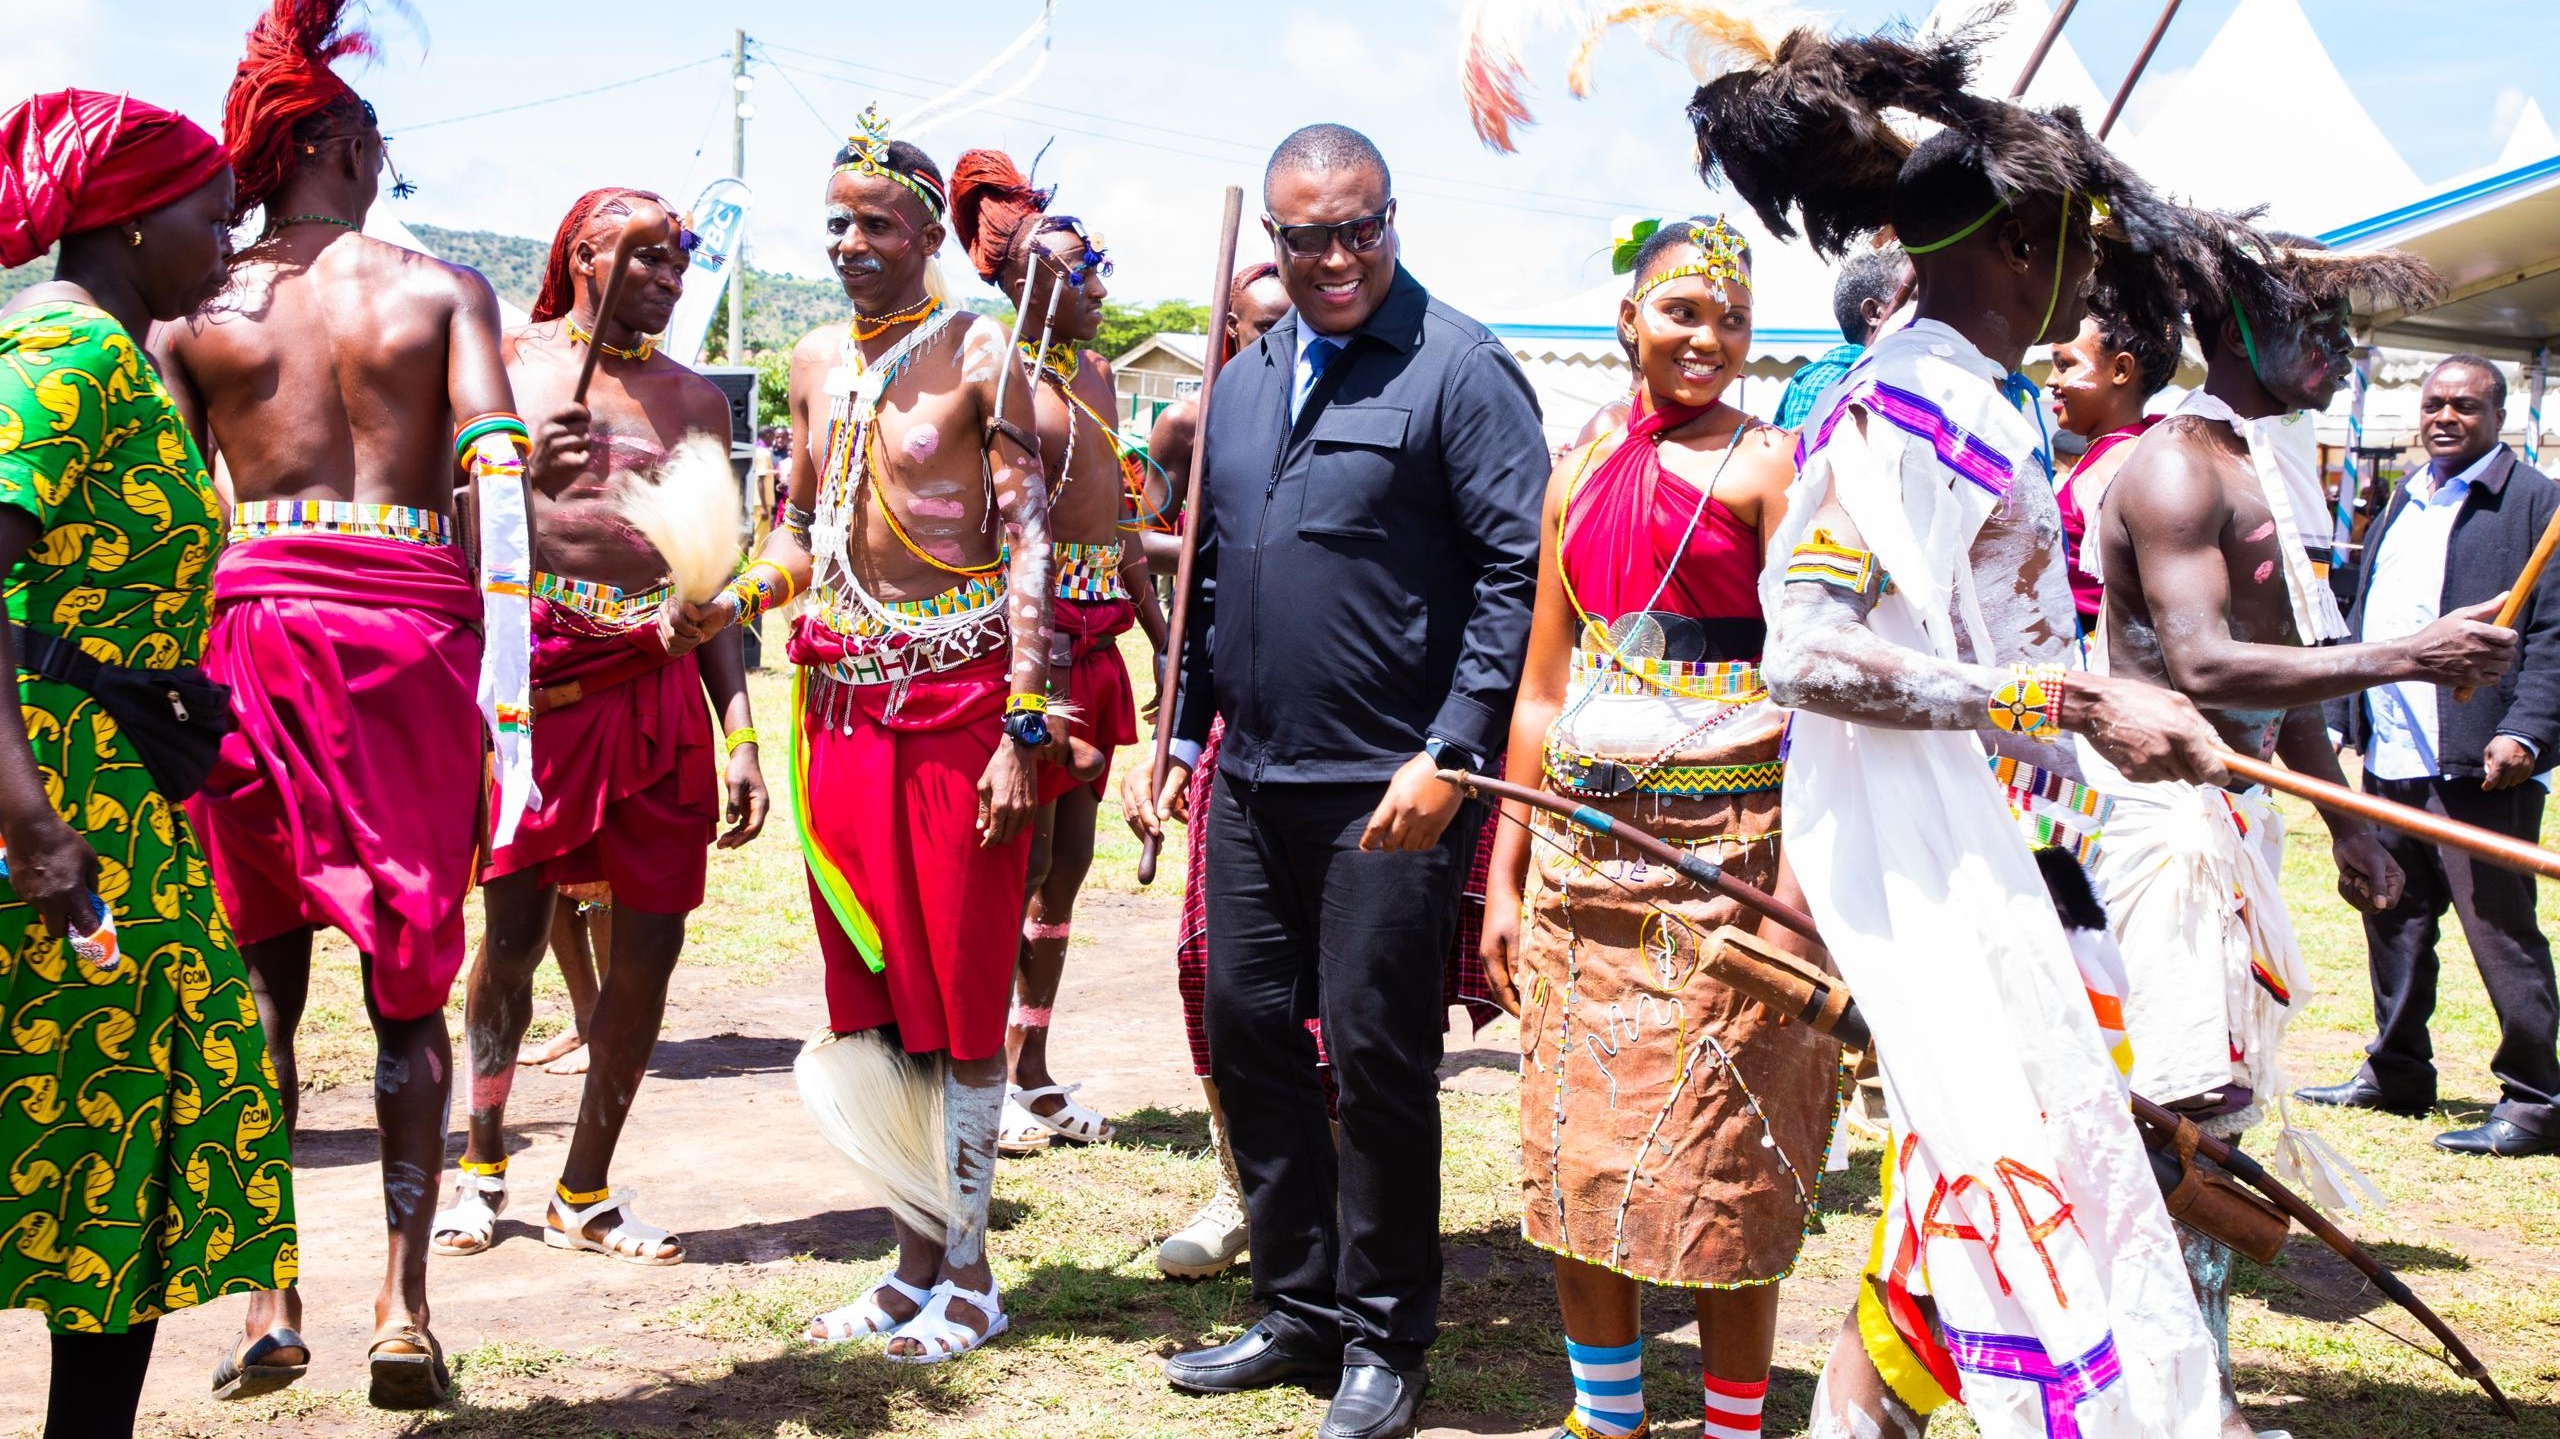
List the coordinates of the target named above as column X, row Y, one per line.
column 990, row 203
column 557, row 293
column 75, row 160
column 283, row 80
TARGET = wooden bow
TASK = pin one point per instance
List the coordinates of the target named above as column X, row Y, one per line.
column 1810, row 992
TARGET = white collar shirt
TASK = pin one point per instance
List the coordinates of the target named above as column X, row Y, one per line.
column 2406, row 596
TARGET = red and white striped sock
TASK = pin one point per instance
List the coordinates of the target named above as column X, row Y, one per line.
column 1733, row 1410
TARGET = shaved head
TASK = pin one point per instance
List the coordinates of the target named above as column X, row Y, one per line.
column 1319, row 149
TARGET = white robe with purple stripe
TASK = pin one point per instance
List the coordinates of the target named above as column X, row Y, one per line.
column 2024, row 1203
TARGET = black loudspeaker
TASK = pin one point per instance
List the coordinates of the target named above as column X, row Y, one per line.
column 738, row 382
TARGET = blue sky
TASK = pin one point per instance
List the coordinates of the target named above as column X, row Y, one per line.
column 1149, row 107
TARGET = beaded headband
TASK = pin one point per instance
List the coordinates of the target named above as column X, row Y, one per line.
column 1725, row 259
column 870, row 145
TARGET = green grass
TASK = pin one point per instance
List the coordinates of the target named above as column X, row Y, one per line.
column 1075, row 1232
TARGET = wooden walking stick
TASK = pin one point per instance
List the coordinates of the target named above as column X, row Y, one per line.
column 1221, row 287
column 2498, row 849
column 2523, row 590
column 633, row 236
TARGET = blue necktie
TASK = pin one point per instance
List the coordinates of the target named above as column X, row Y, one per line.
column 1319, row 353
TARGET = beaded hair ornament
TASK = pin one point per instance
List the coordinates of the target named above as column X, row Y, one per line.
column 870, row 145
column 1724, row 258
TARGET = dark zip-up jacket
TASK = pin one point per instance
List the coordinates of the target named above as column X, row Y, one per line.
column 2493, row 535
column 1365, row 575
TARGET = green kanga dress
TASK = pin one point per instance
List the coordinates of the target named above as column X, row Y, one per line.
column 143, row 1162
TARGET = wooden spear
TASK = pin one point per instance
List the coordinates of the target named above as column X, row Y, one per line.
column 2497, row 849
column 2035, row 58
column 1220, row 286
column 2142, row 61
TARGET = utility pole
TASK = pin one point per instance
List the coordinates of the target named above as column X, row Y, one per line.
column 739, row 112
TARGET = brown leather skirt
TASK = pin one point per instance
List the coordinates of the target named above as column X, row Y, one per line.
column 1671, row 1130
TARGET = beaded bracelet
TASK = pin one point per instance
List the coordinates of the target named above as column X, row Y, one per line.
column 764, row 586
column 737, row 738
column 1026, row 704
column 495, row 422
column 2030, row 704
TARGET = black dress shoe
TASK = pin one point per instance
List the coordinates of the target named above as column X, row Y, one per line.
column 2503, row 1138
column 1375, row 1402
column 1255, row 1359
column 2359, row 1093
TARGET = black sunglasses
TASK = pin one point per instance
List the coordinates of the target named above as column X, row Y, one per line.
column 1358, row 236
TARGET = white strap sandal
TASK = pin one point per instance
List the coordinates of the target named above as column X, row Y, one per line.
column 630, row 1241
column 471, row 1225
column 1073, row 1122
column 864, row 1315
column 944, row 1338
column 1018, row 1130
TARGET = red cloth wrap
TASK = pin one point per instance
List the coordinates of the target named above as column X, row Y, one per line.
column 284, row 79
column 75, row 160
column 350, row 794
column 1097, row 685
column 629, row 776
column 1627, row 517
column 2087, row 594
column 895, row 803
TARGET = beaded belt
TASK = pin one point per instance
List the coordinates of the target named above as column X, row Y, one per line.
column 257, row 519
column 2052, row 810
column 1591, row 775
column 1090, row 573
column 878, row 657
column 1731, row 681
column 600, row 602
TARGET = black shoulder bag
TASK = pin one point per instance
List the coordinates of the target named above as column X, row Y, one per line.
column 176, row 718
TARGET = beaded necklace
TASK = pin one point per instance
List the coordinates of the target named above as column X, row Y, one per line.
column 853, row 452
column 885, row 323
column 349, row 225
column 1062, row 367
column 581, row 335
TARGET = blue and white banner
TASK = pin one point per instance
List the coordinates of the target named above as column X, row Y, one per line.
column 719, row 218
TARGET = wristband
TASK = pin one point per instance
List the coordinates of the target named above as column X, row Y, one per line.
column 763, row 586
column 495, row 422
column 734, row 739
column 2030, row 704
column 1026, row 704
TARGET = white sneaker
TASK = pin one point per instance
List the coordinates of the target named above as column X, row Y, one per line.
column 1210, row 1243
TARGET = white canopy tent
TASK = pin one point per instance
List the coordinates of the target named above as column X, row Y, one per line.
column 2264, row 118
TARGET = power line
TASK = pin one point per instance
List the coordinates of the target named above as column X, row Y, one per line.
column 556, row 99
column 1244, row 149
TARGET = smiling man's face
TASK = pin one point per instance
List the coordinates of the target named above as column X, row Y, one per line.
column 1337, row 291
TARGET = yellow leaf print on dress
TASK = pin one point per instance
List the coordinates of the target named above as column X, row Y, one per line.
column 114, row 1034
column 36, row 1036
column 144, row 495
column 159, row 1210
column 63, row 544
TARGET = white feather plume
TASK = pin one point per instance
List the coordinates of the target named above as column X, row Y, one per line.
column 882, row 1109
column 690, row 510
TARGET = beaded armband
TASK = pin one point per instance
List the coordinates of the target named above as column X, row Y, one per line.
column 2030, row 703
column 466, row 440
column 1823, row 561
column 796, row 522
column 1026, row 704
column 764, row 585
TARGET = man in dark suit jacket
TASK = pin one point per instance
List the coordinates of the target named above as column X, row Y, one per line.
column 2458, row 532
column 1368, row 556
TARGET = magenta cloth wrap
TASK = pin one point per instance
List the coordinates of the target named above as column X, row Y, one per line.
column 1623, row 528
column 629, row 776
column 350, row 796
column 1106, row 710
